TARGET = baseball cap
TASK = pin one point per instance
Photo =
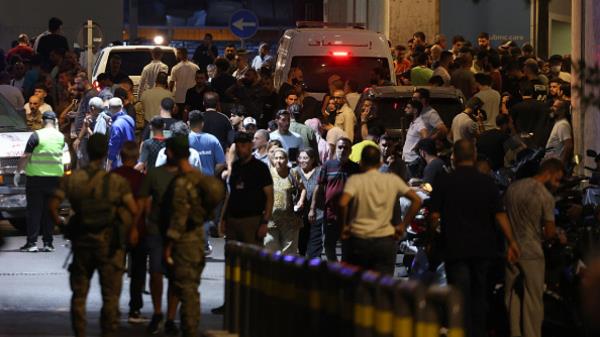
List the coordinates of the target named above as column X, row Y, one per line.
column 96, row 102
column 248, row 121
column 48, row 115
column 242, row 137
column 115, row 102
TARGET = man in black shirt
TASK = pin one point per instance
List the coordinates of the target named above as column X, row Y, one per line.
column 493, row 144
column 222, row 82
column 531, row 116
column 115, row 73
column 469, row 205
column 435, row 166
column 216, row 123
column 52, row 41
column 194, row 97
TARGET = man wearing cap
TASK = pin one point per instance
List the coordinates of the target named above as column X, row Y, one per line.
column 122, row 130
column 43, row 164
column 262, row 57
column 249, row 124
column 193, row 198
column 96, row 121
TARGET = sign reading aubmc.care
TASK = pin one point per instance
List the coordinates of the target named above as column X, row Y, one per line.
column 502, row 20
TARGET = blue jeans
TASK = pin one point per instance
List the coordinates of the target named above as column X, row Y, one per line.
column 470, row 277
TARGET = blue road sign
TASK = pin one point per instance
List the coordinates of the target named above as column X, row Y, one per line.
column 243, row 24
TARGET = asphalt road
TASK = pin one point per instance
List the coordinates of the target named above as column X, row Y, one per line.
column 35, row 293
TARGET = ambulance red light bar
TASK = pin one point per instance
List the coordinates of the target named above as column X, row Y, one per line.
column 339, row 53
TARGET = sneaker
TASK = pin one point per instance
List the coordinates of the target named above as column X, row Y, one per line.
column 218, row 311
column 208, row 249
column 135, row 317
column 155, row 324
column 29, row 247
column 48, row 247
column 171, row 328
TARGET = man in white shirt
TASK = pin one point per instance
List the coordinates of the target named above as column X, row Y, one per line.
column 151, row 98
column 560, row 143
column 345, row 118
column 291, row 141
column 151, row 70
column 467, row 124
column 12, row 94
column 371, row 231
column 436, row 129
column 262, row 57
column 416, row 131
column 183, row 77
column 490, row 99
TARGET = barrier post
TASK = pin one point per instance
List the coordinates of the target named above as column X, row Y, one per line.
column 229, row 260
column 275, row 307
column 364, row 310
column 300, row 308
column 350, row 277
column 446, row 305
column 384, row 316
column 316, row 267
column 263, row 307
column 408, row 309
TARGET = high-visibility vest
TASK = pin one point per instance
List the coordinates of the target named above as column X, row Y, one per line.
column 46, row 159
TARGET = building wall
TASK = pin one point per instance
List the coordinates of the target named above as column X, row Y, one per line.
column 409, row 16
column 31, row 17
column 503, row 20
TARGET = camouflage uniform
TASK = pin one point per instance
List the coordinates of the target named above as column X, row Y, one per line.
column 194, row 198
column 93, row 251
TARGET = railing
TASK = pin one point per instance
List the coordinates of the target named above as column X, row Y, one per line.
column 269, row 294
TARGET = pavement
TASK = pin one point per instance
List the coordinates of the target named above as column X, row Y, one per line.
column 35, row 293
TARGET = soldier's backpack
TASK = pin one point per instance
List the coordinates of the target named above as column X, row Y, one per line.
column 96, row 212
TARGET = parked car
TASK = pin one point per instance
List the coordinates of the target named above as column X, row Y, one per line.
column 389, row 103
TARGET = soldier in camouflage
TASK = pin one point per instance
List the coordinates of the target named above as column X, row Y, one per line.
column 98, row 249
column 193, row 199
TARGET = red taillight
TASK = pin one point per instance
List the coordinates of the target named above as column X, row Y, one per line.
column 340, row 53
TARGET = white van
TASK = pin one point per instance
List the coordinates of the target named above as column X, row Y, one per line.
column 133, row 60
column 320, row 51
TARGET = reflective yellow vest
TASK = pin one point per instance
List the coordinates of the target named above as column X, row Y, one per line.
column 46, row 159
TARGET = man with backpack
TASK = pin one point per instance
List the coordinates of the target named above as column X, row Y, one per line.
column 103, row 206
column 190, row 200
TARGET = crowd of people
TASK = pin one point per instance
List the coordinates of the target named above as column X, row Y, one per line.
column 299, row 174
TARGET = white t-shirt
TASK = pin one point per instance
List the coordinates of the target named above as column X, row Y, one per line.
column 463, row 127
column 491, row 105
column 289, row 140
column 184, row 76
column 334, row 134
column 561, row 131
column 43, row 108
column 431, row 118
column 374, row 196
column 346, row 120
column 193, row 159
column 413, row 136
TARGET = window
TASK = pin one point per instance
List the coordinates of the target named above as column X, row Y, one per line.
column 317, row 69
column 133, row 61
column 10, row 119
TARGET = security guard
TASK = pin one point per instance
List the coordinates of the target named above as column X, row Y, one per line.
column 193, row 198
column 102, row 202
column 43, row 164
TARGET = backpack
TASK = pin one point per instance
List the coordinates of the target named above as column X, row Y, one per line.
column 96, row 214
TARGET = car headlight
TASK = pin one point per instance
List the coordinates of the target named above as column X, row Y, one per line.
column 13, row 201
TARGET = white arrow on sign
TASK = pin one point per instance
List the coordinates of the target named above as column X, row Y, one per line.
column 240, row 24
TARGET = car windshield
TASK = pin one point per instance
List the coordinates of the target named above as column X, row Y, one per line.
column 317, row 69
column 133, row 61
column 391, row 110
column 10, row 119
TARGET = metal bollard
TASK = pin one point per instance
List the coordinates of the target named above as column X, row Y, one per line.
column 276, row 306
column 384, row 302
column 316, row 268
column 229, row 260
column 364, row 310
column 262, row 310
column 409, row 309
column 300, row 307
column 232, row 307
column 247, row 298
column 349, row 279
column 445, row 308
column 332, row 300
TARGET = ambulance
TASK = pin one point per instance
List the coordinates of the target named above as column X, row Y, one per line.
column 321, row 50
